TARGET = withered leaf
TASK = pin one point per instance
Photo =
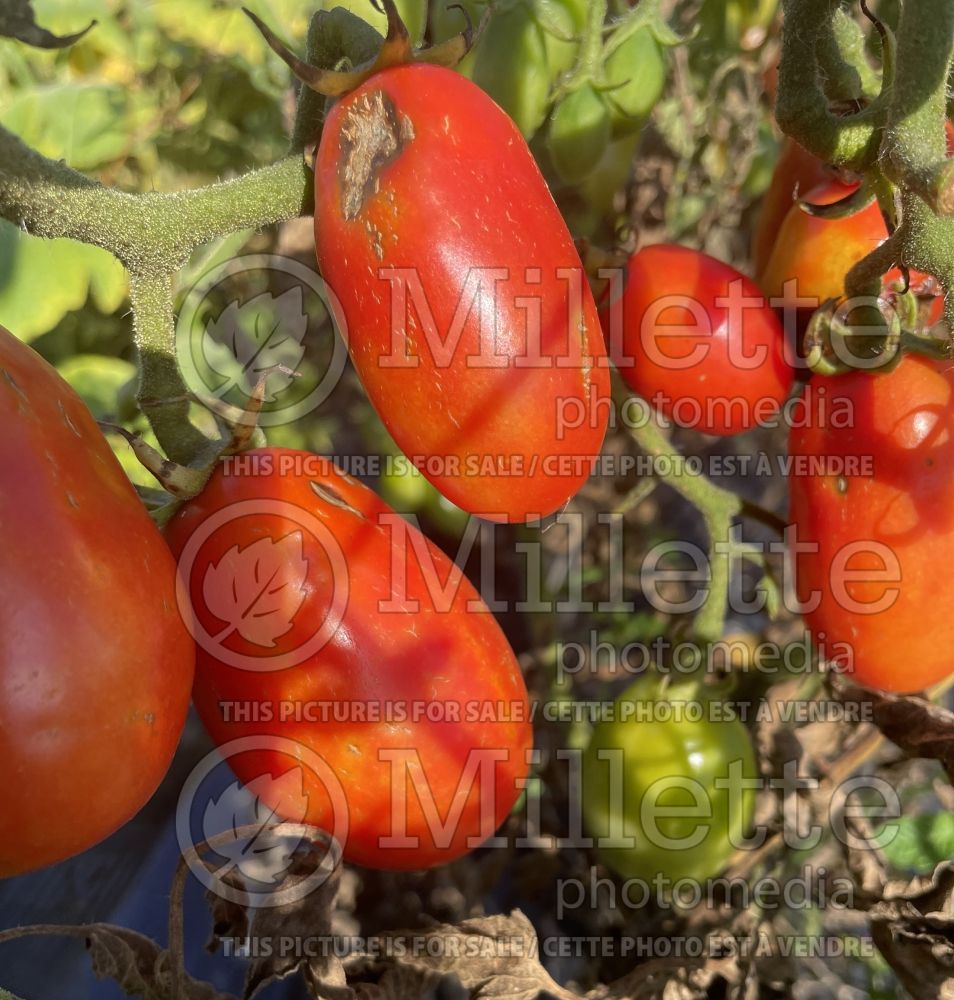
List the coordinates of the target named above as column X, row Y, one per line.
column 494, row 958
column 400, row 982
column 17, row 20
column 913, row 927
column 919, row 727
column 297, row 935
column 229, row 918
column 140, row 966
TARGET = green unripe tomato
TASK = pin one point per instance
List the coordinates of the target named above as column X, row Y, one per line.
column 413, row 14
column 511, row 66
column 579, row 132
column 525, row 47
column 562, row 22
column 636, row 73
column 403, row 487
column 657, row 784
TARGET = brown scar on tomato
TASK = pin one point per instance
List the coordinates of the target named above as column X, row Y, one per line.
column 331, row 496
column 68, row 419
column 373, row 135
column 15, row 386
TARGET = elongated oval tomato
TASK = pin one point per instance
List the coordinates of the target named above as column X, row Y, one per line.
column 816, row 253
column 95, row 662
column 872, row 501
column 694, row 337
column 328, row 626
column 796, row 173
column 461, row 295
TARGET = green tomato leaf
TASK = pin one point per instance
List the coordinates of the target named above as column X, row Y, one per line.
column 42, row 280
column 922, row 842
column 84, row 124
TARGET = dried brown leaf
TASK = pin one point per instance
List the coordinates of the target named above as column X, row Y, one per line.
column 494, row 958
column 919, row 727
column 140, row 966
column 913, row 927
column 304, row 920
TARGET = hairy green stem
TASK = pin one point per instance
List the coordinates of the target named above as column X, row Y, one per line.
column 147, row 232
column 162, row 395
column 802, row 109
column 718, row 508
column 914, row 141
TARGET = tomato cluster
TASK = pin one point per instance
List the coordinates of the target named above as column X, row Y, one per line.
column 871, row 449
column 318, row 630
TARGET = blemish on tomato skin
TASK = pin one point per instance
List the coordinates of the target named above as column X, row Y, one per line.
column 331, row 496
column 15, row 386
column 841, row 485
column 68, row 419
column 372, row 135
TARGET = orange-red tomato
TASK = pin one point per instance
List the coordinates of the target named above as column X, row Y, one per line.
column 327, row 624
column 95, row 662
column 796, row 173
column 694, row 337
column 816, row 252
column 461, row 294
column 791, row 244
column 872, row 500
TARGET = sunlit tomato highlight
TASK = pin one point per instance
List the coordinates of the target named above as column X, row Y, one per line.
column 694, row 337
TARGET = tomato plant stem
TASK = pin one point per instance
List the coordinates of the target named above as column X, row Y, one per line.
column 718, row 508
column 148, row 232
column 162, row 394
column 897, row 138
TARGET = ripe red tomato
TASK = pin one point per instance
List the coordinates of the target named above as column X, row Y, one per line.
column 461, row 295
column 95, row 662
column 717, row 366
column 311, row 595
column 872, row 493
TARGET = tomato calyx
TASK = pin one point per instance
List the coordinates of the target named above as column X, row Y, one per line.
column 873, row 333
column 396, row 50
column 852, row 203
column 834, row 347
